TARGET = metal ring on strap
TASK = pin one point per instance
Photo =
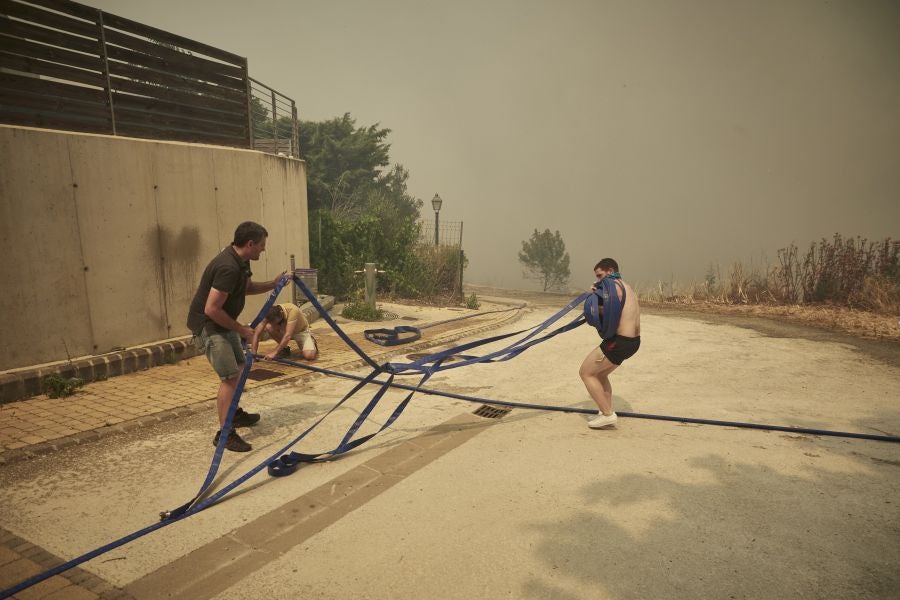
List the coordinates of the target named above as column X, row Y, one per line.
column 392, row 337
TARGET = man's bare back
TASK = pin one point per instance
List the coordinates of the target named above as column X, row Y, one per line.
column 630, row 321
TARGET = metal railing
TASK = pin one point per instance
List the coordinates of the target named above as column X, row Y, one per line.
column 449, row 233
column 65, row 65
column 273, row 121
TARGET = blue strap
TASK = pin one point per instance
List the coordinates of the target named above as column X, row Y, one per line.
column 232, row 407
column 324, row 314
column 602, row 308
column 347, row 443
column 392, row 337
column 506, row 353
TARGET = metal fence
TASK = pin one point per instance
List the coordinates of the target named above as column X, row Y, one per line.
column 64, row 65
column 449, row 233
column 274, row 121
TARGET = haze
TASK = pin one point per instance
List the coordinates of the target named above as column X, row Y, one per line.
column 668, row 135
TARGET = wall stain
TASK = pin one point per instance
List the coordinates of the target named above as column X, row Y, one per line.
column 180, row 256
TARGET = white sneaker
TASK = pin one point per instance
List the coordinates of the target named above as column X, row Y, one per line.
column 602, row 421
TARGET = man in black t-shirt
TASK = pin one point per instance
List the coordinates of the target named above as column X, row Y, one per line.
column 212, row 318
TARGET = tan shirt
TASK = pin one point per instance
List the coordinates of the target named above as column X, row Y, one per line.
column 293, row 313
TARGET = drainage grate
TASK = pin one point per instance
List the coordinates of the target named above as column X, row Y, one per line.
column 263, row 374
column 491, row 412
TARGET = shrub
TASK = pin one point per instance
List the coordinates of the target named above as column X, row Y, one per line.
column 360, row 311
column 339, row 246
column 58, row 386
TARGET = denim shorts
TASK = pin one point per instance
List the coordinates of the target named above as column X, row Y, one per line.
column 223, row 351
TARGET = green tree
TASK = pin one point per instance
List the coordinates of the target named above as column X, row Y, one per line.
column 545, row 258
column 348, row 167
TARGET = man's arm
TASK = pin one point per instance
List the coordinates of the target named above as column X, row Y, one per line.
column 257, row 333
column 289, row 329
column 260, row 288
column 213, row 309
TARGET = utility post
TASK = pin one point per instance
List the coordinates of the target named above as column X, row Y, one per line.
column 436, row 205
column 370, row 272
column 461, row 257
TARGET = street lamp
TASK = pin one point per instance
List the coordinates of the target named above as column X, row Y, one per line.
column 436, row 205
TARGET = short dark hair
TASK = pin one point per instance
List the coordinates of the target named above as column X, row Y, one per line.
column 248, row 231
column 606, row 264
column 276, row 315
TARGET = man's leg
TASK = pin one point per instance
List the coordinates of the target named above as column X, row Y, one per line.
column 225, row 355
column 241, row 417
column 594, row 372
column 223, row 399
column 307, row 345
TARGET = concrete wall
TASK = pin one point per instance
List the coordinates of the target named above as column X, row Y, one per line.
column 105, row 238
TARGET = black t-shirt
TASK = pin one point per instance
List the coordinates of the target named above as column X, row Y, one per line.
column 227, row 273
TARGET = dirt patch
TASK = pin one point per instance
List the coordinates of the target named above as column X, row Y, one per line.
column 858, row 323
column 855, row 328
column 876, row 335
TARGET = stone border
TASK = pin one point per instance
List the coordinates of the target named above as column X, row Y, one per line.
column 16, row 455
column 30, row 382
column 23, row 553
column 25, row 383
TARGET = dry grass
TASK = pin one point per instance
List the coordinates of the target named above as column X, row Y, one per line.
column 846, row 284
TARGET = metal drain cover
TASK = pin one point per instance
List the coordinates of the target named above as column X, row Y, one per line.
column 263, row 374
column 491, row 412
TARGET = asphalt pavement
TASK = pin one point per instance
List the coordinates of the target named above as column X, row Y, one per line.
column 450, row 503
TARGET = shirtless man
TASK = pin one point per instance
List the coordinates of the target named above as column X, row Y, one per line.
column 602, row 361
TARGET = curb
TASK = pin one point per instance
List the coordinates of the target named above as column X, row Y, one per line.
column 28, row 382
column 65, row 585
column 33, row 451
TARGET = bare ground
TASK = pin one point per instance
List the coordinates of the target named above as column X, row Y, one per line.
column 876, row 335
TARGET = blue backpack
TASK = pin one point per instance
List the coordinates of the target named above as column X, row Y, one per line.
column 605, row 296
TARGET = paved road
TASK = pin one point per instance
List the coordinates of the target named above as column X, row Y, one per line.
column 446, row 504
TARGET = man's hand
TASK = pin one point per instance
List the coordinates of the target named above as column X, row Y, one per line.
column 269, row 356
column 245, row 332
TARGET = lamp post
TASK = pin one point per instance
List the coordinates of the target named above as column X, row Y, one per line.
column 436, row 205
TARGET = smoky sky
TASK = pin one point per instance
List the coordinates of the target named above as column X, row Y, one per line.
column 669, row 135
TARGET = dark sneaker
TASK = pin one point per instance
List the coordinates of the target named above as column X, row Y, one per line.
column 284, row 352
column 233, row 443
column 244, row 419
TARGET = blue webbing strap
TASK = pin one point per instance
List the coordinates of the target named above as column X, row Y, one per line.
column 288, row 463
column 602, row 308
column 196, row 506
column 393, row 337
column 499, row 355
column 232, row 407
column 324, row 314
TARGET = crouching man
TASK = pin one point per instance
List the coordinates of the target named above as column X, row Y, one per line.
column 285, row 322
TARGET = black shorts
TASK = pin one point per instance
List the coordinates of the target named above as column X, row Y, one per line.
column 618, row 348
